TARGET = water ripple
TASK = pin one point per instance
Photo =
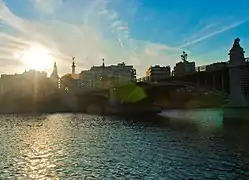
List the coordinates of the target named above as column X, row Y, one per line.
column 70, row 146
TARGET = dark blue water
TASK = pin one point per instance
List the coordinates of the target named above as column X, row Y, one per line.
column 67, row 146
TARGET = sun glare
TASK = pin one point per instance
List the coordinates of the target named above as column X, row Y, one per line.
column 36, row 57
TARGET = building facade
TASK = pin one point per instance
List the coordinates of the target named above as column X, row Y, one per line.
column 184, row 67
column 156, row 73
column 27, row 84
column 71, row 81
column 106, row 76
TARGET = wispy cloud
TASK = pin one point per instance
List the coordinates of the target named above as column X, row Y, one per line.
column 198, row 38
column 46, row 6
column 99, row 32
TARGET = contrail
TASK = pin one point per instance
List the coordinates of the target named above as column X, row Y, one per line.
column 214, row 33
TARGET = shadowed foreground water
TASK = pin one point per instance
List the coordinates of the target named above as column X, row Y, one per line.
column 68, row 146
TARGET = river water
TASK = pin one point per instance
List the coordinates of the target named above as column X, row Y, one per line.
column 187, row 145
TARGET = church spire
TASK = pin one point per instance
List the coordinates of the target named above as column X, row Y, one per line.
column 73, row 66
column 54, row 73
column 55, row 68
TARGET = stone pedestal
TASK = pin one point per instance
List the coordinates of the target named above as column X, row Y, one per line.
column 236, row 98
column 237, row 106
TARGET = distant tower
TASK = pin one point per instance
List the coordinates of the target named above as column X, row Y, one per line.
column 54, row 76
column 54, row 73
column 73, row 66
column 184, row 56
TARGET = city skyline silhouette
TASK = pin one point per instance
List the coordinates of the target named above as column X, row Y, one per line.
column 101, row 29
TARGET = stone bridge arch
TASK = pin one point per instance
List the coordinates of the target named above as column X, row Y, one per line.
column 93, row 103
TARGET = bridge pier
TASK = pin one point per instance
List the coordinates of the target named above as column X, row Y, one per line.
column 205, row 81
column 222, row 83
column 213, row 83
column 112, row 97
column 237, row 107
column 198, row 82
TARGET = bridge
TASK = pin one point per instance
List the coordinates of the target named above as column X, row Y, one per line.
column 140, row 92
column 231, row 81
column 215, row 80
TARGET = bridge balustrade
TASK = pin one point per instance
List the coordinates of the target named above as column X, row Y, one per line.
column 191, row 85
column 201, row 68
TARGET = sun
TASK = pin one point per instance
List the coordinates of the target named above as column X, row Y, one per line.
column 36, row 57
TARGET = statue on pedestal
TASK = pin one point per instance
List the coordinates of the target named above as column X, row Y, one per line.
column 184, row 56
column 236, row 42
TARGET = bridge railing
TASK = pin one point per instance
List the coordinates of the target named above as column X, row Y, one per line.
column 191, row 85
column 143, row 79
column 201, row 68
column 198, row 69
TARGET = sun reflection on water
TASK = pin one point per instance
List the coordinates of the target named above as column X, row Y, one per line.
column 78, row 146
column 39, row 158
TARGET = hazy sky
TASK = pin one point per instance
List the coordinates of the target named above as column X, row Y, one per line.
column 138, row 32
